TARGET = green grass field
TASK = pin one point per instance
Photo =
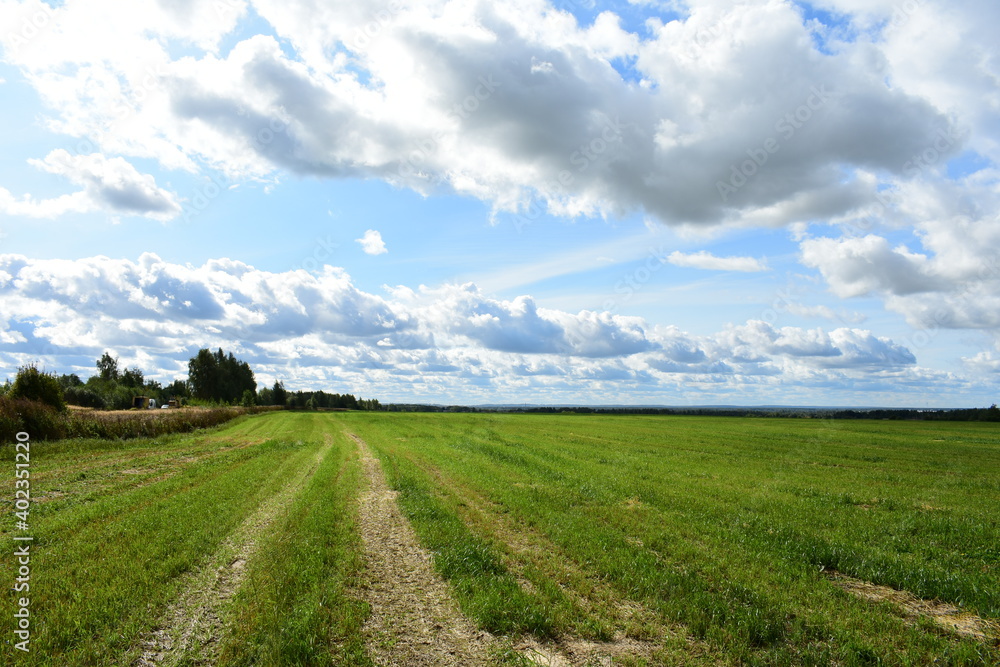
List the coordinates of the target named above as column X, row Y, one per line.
column 690, row 540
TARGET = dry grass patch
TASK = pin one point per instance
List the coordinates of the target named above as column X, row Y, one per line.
column 947, row 616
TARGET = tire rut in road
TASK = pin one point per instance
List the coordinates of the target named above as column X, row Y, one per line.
column 414, row 619
column 192, row 626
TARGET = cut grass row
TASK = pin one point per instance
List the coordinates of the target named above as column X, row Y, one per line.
column 722, row 525
column 294, row 608
column 487, row 591
column 122, row 523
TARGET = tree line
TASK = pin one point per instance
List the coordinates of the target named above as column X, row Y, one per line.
column 214, row 378
column 991, row 414
column 314, row 400
column 111, row 387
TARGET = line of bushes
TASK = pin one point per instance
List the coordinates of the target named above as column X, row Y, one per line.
column 43, row 422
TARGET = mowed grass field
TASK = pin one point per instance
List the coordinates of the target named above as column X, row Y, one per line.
column 658, row 540
column 724, row 531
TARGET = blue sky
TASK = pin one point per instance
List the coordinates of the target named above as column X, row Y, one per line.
column 631, row 202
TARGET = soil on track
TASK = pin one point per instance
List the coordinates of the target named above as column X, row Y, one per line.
column 192, row 626
column 414, row 619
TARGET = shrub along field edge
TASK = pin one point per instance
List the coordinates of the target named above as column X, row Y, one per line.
column 46, row 423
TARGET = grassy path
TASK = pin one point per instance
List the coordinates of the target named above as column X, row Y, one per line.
column 299, row 603
column 512, row 579
column 192, row 626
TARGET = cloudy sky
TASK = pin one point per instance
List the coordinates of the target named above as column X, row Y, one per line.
column 644, row 202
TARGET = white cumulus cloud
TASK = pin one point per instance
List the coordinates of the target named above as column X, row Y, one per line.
column 372, row 243
column 447, row 341
column 511, row 102
column 112, row 185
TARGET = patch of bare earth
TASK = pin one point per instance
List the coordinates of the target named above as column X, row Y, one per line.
column 574, row 652
column 945, row 615
column 192, row 626
column 414, row 619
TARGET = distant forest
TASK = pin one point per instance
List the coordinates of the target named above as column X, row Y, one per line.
column 990, row 414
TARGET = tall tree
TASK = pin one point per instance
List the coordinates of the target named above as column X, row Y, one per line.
column 220, row 377
column 133, row 378
column 176, row 389
column 69, row 381
column 107, row 367
column 203, row 376
column 278, row 394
